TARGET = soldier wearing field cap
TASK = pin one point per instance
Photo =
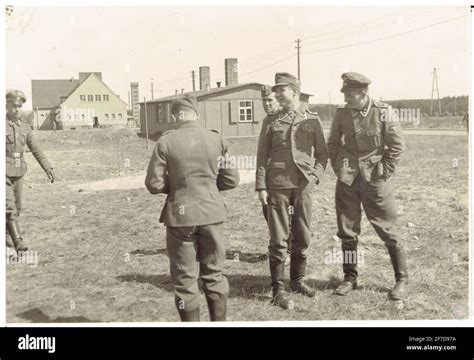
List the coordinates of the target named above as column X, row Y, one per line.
column 185, row 166
column 272, row 107
column 18, row 135
column 365, row 145
column 291, row 158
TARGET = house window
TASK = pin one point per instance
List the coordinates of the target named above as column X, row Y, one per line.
column 120, row 116
column 106, row 116
column 90, row 97
column 82, row 97
column 245, row 111
column 105, row 97
column 97, row 98
column 113, row 116
column 83, row 117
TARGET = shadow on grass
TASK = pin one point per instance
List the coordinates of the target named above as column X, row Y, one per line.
column 38, row 316
column 241, row 286
column 247, row 257
column 249, row 286
column 149, row 252
column 334, row 282
column 162, row 281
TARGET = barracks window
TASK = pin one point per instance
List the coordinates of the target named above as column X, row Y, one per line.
column 245, row 111
column 82, row 97
column 97, row 98
column 105, row 97
column 90, row 97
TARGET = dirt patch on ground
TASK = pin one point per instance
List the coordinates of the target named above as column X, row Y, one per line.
column 138, row 182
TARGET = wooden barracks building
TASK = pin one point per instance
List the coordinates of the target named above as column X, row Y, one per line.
column 234, row 110
column 76, row 103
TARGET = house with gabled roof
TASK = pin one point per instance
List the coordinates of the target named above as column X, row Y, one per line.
column 76, row 103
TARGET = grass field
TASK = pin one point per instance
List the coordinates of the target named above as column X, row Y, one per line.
column 102, row 255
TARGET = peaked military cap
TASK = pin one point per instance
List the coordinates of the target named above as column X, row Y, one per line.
column 16, row 96
column 283, row 79
column 353, row 80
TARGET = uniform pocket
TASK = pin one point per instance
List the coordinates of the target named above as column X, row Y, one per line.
column 10, row 139
column 278, row 137
column 374, row 137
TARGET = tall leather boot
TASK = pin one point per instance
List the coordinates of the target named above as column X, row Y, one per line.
column 190, row 315
column 398, row 258
column 349, row 252
column 297, row 272
column 217, row 308
column 14, row 231
column 186, row 315
column 279, row 296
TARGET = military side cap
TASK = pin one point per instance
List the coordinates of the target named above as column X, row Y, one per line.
column 353, row 80
column 283, row 79
column 16, row 96
column 186, row 101
column 266, row 91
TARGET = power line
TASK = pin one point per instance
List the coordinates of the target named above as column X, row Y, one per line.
column 267, row 66
column 385, row 37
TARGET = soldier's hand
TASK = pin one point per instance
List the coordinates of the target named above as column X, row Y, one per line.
column 263, row 197
column 316, row 179
column 50, row 174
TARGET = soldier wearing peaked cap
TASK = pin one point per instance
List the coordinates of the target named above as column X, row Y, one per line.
column 363, row 162
column 185, row 166
column 291, row 158
column 18, row 135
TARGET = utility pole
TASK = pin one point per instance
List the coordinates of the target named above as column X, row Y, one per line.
column 193, row 75
column 146, row 123
column 435, row 88
column 298, row 47
column 152, row 89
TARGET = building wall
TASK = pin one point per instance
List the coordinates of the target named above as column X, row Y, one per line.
column 216, row 111
column 79, row 112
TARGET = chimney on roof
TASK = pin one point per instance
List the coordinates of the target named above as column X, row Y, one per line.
column 208, row 86
column 204, row 77
column 182, row 91
column 231, row 72
column 176, row 92
column 218, row 84
column 134, row 97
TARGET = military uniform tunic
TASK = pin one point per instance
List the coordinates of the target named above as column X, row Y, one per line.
column 184, row 165
column 19, row 135
column 364, row 148
column 291, row 156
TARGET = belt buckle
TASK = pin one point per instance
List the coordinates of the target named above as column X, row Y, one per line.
column 17, row 155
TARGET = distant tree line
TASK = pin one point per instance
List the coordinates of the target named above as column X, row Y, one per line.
column 450, row 106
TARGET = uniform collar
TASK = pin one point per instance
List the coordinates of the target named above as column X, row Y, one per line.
column 17, row 123
column 364, row 111
column 284, row 116
column 187, row 123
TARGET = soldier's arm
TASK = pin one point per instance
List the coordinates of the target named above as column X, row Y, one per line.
column 263, row 150
column 335, row 139
column 320, row 150
column 156, row 180
column 394, row 142
column 36, row 151
column 226, row 178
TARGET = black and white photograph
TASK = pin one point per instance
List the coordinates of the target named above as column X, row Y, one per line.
column 244, row 164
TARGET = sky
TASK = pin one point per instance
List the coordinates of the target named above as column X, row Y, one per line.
column 396, row 47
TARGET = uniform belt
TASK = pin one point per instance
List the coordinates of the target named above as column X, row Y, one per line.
column 183, row 182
